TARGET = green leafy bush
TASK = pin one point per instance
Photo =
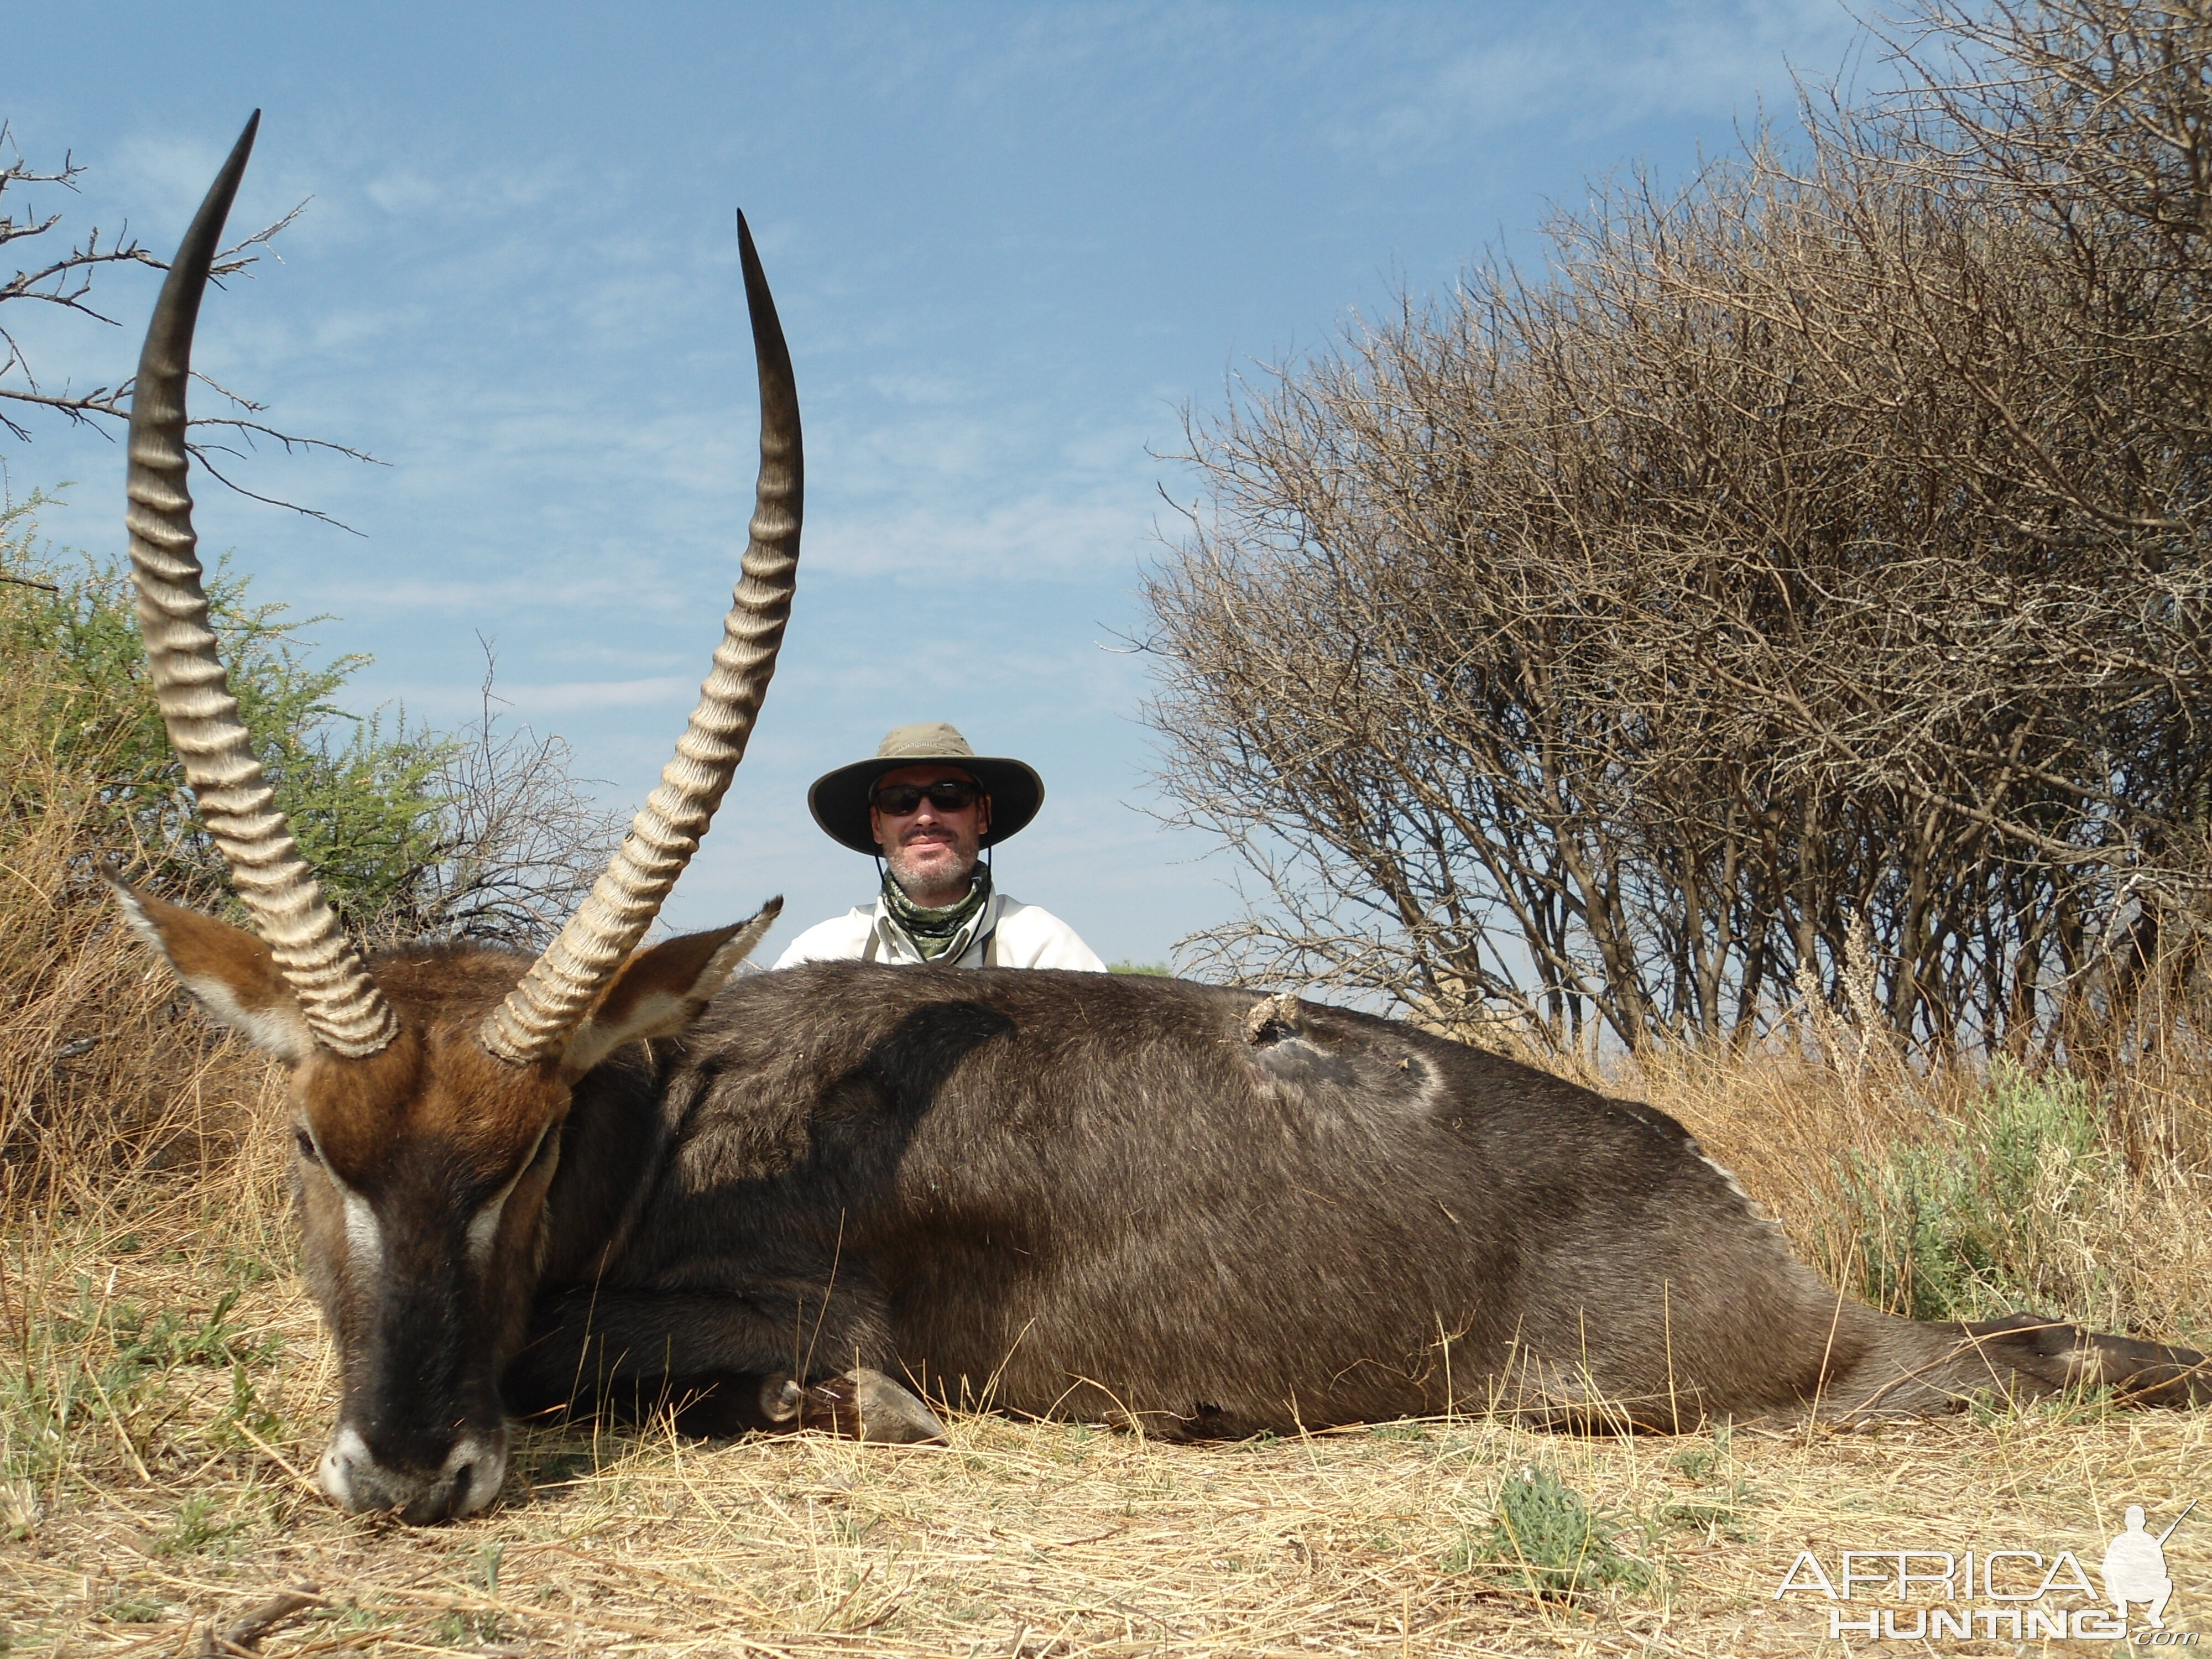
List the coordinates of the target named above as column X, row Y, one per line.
column 1544, row 1538
column 360, row 794
column 1970, row 1223
column 481, row 834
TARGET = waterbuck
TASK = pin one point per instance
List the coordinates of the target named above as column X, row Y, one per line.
column 618, row 1175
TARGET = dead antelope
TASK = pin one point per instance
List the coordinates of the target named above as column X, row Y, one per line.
column 1055, row 1193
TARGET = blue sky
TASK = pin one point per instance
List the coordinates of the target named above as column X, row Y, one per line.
column 1010, row 244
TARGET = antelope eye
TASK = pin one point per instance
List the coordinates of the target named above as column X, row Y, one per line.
column 305, row 1143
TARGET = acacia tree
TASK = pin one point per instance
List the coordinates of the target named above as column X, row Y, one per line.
column 1819, row 550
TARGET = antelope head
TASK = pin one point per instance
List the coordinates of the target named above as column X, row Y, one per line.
column 428, row 1089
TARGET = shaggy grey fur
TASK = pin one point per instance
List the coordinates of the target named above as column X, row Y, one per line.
column 1144, row 1200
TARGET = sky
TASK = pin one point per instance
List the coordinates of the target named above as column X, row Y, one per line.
column 1012, row 246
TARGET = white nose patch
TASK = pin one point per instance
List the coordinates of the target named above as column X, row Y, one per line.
column 350, row 1477
column 342, row 1460
column 485, row 1463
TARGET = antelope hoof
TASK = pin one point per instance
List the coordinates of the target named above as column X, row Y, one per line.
column 780, row 1399
column 866, row 1405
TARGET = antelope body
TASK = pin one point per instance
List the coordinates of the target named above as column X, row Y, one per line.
column 1188, row 1207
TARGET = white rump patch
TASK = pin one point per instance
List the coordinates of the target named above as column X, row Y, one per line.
column 1759, row 1212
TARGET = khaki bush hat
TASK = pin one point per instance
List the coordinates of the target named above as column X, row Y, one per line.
column 839, row 800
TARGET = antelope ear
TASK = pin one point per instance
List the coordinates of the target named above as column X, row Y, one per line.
column 660, row 991
column 228, row 970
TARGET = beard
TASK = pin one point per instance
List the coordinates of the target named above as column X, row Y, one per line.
column 955, row 878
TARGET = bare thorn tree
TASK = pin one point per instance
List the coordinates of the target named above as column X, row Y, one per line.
column 1821, row 547
column 519, row 839
column 62, row 279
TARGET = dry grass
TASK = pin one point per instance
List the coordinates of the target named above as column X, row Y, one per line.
column 106, row 1071
column 173, row 1500
column 164, row 1394
column 2094, row 1204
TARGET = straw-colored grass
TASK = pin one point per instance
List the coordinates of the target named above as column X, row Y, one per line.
column 1962, row 1196
column 174, row 1393
column 164, row 1394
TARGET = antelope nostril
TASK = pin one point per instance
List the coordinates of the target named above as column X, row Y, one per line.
column 467, row 1480
column 478, row 1473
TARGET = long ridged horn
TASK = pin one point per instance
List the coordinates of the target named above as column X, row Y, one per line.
column 342, row 1007
column 535, row 1020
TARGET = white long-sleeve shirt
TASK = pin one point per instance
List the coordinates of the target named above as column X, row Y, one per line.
column 1013, row 935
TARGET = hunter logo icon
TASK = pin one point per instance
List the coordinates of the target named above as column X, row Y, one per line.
column 2135, row 1567
column 2006, row 1593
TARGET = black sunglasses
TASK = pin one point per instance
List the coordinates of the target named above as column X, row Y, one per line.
column 897, row 799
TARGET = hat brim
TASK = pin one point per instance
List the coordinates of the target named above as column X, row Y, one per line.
column 839, row 800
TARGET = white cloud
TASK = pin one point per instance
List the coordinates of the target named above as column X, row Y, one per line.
column 538, row 702
column 1038, row 537
column 1580, row 69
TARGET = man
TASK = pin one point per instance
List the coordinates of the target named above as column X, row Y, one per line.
column 927, row 805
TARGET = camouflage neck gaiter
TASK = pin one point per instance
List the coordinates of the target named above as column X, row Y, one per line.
column 943, row 932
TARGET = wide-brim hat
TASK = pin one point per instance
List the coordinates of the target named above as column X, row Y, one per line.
column 839, row 800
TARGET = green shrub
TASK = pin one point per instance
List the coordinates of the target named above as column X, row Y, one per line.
column 361, row 794
column 1543, row 1537
column 1970, row 1223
